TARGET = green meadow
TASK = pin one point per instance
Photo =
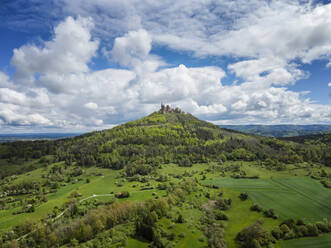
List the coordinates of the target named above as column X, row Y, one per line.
column 313, row 242
column 290, row 197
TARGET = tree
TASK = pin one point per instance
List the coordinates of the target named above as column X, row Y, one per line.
column 180, row 219
column 254, row 236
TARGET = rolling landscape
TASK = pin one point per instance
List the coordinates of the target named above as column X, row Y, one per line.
column 165, row 124
column 166, row 180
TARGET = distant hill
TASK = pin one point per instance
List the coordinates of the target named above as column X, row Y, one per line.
column 316, row 139
column 35, row 136
column 280, row 130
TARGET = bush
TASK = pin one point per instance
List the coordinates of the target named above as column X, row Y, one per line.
column 277, row 233
column 180, row 219
column 123, row 194
column 223, row 204
column 219, row 215
column 312, row 230
column 256, row 208
column 254, row 236
column 243, row 196
column 270, row 213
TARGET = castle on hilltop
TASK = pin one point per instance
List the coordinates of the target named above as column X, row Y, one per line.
column 166, row 109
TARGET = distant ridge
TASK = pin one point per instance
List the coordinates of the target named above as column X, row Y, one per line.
column 280, row 130
column 35, row 136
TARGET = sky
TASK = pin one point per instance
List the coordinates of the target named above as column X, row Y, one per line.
column 81, row 65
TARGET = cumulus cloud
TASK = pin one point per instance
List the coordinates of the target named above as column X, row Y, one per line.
column 135, row 45
column 12, row 115
column 286, row 29
column 267, row 71
column 67, row 53
column 133, row 50
column 5, row 81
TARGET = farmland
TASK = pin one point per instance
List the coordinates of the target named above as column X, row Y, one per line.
column 292, row 197
column 316, row 242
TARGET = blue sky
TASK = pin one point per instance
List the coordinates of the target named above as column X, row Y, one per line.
column 85, row 65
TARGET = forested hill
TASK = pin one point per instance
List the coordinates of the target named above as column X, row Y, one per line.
column 165, row 137
column 321, row 139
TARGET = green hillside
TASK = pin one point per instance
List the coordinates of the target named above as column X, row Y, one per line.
column 166, row 180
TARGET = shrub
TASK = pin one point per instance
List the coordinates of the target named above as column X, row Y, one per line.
column 180, row 219
column 253, row 236
column 269, row 213
column 277, row 233
column 256, row 208
column 300, row 222
column 219, row 215
column 243, row 196
column 123, row 194
column 312, row 230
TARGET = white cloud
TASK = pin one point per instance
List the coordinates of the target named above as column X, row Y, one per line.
column 286, row 29
column 329, row 84
column 175, row 84
column 11, row 96
column 12, row 115
column 276, row 71
column 5, row 81
column 69, row 52
column 91, row 105
column 135, row 45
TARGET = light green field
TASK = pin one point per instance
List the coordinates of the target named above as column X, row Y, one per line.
column 294, row 197
column 240, row 216
column 314, row 242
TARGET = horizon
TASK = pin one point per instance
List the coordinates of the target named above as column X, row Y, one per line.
column 83, row 66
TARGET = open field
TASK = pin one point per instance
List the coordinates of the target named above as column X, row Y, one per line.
column 314, row 242
column 241, row 216
column 295, row 197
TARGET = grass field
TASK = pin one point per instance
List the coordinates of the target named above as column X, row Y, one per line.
column 294, row 197
column 315, row 242
column 241, row 216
